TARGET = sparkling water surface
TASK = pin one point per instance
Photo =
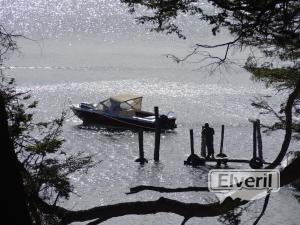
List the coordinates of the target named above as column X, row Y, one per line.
column 90, row 50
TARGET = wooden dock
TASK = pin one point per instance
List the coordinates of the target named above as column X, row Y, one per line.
column 255, row 162
column 231, row 160
column 219, row 161
column 221, row 158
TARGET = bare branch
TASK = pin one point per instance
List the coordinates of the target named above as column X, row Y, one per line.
column 162, row 205
column 263, row 209
column 219, row 61
column 164, row 189
column 229, row 43
column 185, row 219
column 187, row 210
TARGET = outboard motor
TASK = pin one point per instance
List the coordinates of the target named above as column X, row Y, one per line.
column 171, row 115
column 168, row 121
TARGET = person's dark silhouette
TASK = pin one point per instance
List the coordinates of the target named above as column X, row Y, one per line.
column 208, row 133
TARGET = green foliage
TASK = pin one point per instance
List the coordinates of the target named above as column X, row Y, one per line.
column 232, row 217
column 270, row 26
column 163, row 13
column 44, row 166
column 280, row 78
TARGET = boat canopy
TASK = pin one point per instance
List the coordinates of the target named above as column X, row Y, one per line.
column 124, row 102
column 125, row 97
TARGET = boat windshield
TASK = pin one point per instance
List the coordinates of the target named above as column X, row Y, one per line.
column 104, row 105
column 121, row 103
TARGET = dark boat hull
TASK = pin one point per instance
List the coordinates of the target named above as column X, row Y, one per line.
column 90, row 117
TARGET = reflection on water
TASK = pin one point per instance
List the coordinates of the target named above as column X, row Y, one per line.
column 93, row 50
column 194, row 103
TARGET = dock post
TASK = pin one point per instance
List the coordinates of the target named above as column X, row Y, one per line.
column 221, row 154
column 192, row 141
column 141, row 158
column 157, row 134
column 254, row 140
column 255, row 162
column 193, row 159
column 203, row 145
column 259, row 141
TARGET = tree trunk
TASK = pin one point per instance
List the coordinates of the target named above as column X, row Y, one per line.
column 288, row 125
column 16, row 211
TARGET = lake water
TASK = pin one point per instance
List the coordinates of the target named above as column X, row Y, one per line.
column 90, row 50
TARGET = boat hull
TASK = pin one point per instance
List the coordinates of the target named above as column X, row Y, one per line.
column 90, row 117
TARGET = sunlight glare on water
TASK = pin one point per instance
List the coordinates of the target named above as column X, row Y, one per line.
column 91, row 50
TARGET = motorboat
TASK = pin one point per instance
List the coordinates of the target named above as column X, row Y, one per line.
column 122, row 111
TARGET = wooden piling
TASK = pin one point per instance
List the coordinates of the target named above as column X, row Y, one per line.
column 259, row 140
column 192, row 141
column 193, row 159
column 141, row 158
column 222, row 139
column 141, row 144
column 157, row 134
column 255, row 162
column 221, row 154
column 254, row 140
column 203, row 145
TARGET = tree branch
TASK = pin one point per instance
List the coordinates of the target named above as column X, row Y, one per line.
column 263, row 209
column 187, row 210
column 288, row 125
column 229, row 43
column 164, row 189
column 162, row 205
column 185, row 219
column 207, row 55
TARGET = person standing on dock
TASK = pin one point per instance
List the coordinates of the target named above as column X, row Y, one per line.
column 208, row 134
